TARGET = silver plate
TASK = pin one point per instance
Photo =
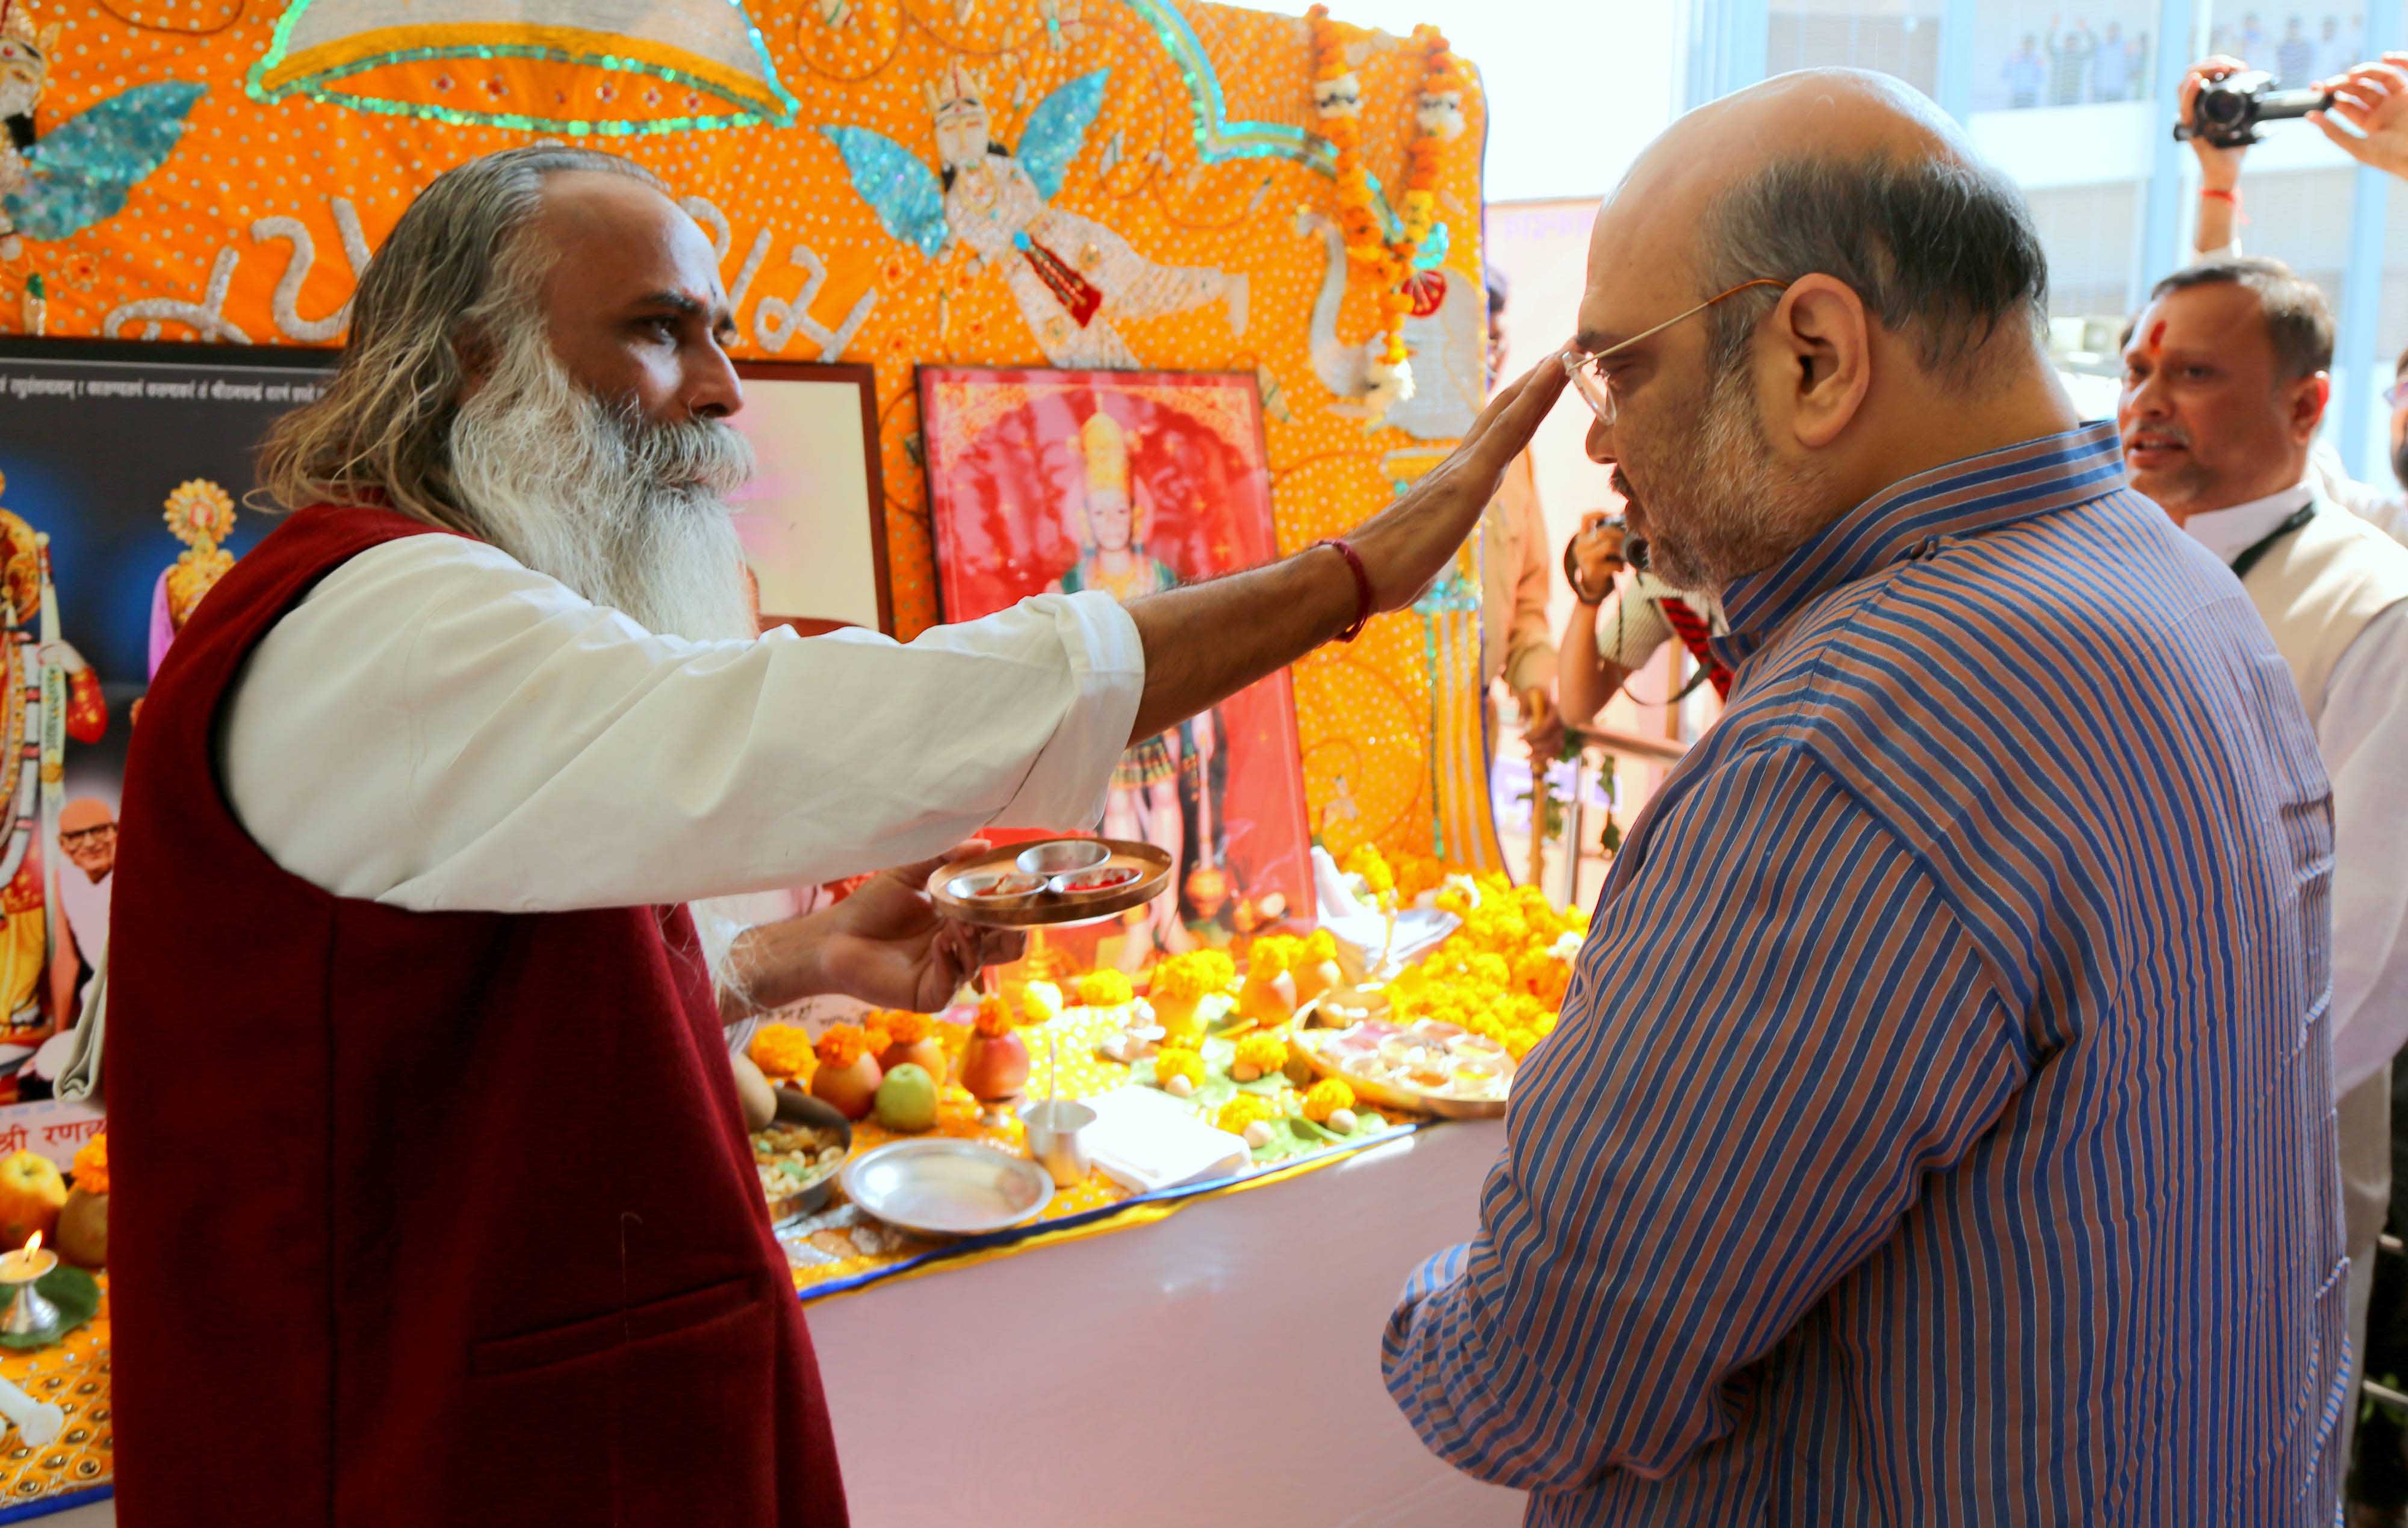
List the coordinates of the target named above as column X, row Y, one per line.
column 947, row 1188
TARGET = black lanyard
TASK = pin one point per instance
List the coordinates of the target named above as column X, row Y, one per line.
column 2264, row 544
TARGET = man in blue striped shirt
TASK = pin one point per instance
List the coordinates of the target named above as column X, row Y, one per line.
column 1937, row 1131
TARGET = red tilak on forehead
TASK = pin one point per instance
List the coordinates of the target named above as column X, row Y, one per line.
column 2157, row 337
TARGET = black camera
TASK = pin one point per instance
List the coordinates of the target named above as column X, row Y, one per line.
column 2229, row 110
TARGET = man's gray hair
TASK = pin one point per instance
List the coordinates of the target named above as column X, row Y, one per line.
column 1940, row 250
column 458, row 268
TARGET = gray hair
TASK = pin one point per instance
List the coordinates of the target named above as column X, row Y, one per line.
column 457, row 267
column 1940, row 249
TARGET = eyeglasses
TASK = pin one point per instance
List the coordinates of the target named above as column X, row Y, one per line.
column 1593, row 386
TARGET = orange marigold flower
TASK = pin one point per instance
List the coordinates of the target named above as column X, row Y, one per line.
column 996, row 1017
column 841, row 1045
column 904, row 1028
column 781, row 1050
column 91, row 1164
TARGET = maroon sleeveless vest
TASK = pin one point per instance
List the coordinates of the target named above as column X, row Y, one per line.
column 419, row 1218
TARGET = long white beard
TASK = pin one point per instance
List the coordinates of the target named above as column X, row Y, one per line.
column 631, row 514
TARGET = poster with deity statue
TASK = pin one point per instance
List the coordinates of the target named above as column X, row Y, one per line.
column 1132, row 483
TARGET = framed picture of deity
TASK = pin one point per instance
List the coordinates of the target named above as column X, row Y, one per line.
column 814, row 517
column 1133, row 482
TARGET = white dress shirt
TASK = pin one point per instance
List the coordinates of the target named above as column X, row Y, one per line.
column 1631, row 624
column 2362, row 732
column 438, row 728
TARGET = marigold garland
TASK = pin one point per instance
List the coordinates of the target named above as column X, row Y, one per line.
column 1389, row 264
column 1498, row 976
column 781, row 1050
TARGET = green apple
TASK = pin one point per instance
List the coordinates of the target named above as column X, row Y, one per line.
column 907, row 1098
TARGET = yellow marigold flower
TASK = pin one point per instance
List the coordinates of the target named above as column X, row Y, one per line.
column 1264, row 1053
column 1242, row 1112
column 841, row 1045
column 1517, row 1043
column 1176, row 1061
column 1193, row 976
column 1106, row 989
column 1327, row 1097
column 1490, row 971
column 1365, row 862
column 1040, row 1002
column 1320, row 945
column 781, row 1050
column 903, row 1028
column 1270, row 955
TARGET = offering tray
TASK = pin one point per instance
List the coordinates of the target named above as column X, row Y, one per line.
column 1329, row 1050
column 945, row 1187
column 995, row 892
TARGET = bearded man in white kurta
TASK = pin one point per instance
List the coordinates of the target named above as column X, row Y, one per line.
column 463, row 734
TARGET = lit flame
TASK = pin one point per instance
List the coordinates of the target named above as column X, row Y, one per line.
column 34, row 1245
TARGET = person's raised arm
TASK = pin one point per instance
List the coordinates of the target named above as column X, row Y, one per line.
column 2372, row 99
column 1205, row 642
column 2220, row 169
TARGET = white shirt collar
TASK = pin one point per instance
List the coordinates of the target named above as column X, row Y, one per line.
column 2228, row 533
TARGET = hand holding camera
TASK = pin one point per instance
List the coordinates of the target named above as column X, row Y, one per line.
column 2224, row 100
column 1595, row 556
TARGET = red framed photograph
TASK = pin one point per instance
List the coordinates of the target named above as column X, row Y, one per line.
column 1134, row 483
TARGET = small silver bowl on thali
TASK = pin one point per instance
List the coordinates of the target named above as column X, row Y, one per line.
column 1063, row 857
column 943, row 1187
column 795, row 1106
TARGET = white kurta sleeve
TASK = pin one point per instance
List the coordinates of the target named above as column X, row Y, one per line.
column 438, row 728
column 2363, row 734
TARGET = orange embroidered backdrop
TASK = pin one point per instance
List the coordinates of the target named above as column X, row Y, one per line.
column 219, row 170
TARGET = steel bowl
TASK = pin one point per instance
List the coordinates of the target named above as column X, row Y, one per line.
column 796, row 1107
column 1063, row 856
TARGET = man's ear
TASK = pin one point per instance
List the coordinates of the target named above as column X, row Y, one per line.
column 1825, row 337
column 2309, row 396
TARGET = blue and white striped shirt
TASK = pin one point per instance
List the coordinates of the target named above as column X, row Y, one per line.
column 1937, row 1129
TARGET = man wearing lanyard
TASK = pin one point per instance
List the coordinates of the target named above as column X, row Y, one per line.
column 1615, row 631
column 2224, row 383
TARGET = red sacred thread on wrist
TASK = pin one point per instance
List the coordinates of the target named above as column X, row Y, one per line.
column 1365, row 607
column 2216, row 194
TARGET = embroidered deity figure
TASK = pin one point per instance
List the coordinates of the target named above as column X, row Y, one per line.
column 200, row 514
column 1072, row 278
column 1145, row 803
column 62, row 182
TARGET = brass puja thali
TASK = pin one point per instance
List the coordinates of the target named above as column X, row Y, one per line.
column 1051, row 882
